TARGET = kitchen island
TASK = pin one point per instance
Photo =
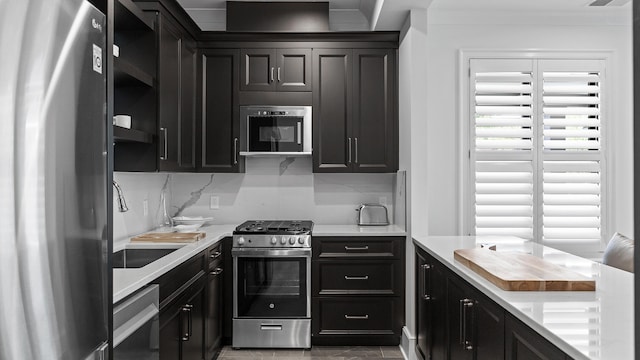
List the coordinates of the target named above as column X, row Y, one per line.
column 582, row 324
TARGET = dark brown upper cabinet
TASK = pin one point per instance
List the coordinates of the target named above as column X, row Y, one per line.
column 275, row 70
column 176, row 97
column 218, row 127
column 354, row 110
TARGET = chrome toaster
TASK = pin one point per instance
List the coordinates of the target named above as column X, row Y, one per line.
column 372, row 214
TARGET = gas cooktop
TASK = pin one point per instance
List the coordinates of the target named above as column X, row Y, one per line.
column 275, row 227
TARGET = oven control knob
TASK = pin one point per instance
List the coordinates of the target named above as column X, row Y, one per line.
column 274, row 240
column 283, row 240
column 292, row 240
column 240, row 240
column 301, row 240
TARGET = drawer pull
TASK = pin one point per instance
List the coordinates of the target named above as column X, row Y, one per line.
column 215, row 255
column 356, row 317
column 356, row 248
column 217, row 271
column 270, row 327
column 347, row 277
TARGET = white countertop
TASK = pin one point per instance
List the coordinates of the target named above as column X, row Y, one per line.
column 584, row 324
column 355, row 230
column 128, row 281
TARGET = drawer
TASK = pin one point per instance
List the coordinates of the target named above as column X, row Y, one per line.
column 356, row 316
column 351, row 277
column 358, row 247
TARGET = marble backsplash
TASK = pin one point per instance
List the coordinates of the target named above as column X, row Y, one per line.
column 270, row 188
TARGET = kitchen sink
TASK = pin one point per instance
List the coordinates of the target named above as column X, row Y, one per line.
column 137, row 258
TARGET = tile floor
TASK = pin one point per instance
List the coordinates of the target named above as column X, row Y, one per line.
column 316, row 353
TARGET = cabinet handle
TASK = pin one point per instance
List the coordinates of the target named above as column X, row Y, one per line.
column 349, row 145
column 272, row 74
column 270, row 327
column 357, row 248
column 347, row 277
column 187, row 334
column 356, row 317
column 235, row 151
column 425, row 267
column 464, row 305
column 217, row 271
column 215, row 255
column 278, row 73
column 164, row 152
column 356, row 148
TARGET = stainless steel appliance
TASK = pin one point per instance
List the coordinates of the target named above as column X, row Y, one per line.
column 55, row 192
column 136, row 326
column 276, row 130
column 372, row 214
column 272, row 284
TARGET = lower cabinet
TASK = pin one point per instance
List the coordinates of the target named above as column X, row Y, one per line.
column 357, row 290
column 182, row 324
column 456, row 321
column 191, row 308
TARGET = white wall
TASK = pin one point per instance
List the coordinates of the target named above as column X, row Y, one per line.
column 449, row 32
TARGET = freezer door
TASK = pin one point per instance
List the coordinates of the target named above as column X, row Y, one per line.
column 53, row 183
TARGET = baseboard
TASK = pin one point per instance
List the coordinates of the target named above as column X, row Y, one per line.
column 408, row 345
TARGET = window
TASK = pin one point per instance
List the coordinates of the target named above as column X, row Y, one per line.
column 536, row 150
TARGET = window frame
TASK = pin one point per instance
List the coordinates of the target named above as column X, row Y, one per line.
column 466, row 203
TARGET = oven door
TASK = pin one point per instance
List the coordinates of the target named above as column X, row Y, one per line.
column 271, row 283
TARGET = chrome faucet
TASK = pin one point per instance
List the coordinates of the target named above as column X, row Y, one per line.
column 122, row 204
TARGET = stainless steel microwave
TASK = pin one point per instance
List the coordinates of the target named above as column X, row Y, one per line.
column 276, row 130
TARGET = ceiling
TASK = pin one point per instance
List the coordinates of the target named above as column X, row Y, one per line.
column 366, row 15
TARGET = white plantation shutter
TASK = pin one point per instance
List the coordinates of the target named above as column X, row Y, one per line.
column 572, row 157
column 536, row 154
column 502, row 149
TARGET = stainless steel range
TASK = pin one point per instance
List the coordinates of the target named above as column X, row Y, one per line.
column 272, row 284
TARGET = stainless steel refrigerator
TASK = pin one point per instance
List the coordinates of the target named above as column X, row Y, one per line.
column 55, row 282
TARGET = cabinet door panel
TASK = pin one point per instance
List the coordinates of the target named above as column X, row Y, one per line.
column 214, row 312
column 258, row 70
column 187, row 127
column 374, row 119
column 219, row 126
column 352, row 316
column 293, row 71
column 170, row 327
column 457, row 320
column 488, row 328
column 522, row 343
column 193, row 347
column 430, row 307
column 332, row 97
column 169, row 94
column 377, row 277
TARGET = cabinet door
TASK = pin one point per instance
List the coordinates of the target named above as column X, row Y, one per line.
column 459, row 320
column 214, row 312
column 187, row 128
column 522, row 343
column 488, row 328
column 170, row 333
column 430, row 307
column 219, row 128
column 169, row 74
column 332, row 99
column 258, row 70
column 194, row 310
column 374, row 112
column 293, row 72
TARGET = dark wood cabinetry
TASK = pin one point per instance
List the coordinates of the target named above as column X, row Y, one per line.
column 354, row 110
column 218, row 126
column 134, row 87
column 456, row 321
column 177, row 97
column 357, row 290
column 191, row 308
column 275, row 70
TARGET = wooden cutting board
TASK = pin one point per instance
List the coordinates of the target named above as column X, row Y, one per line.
column 170, row 237
column 522, row 272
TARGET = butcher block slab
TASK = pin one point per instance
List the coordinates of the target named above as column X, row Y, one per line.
column 170, row 237
column 522, row 272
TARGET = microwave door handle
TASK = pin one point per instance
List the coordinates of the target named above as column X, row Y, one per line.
column 299, row 133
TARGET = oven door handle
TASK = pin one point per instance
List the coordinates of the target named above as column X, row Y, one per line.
column 268, row 252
